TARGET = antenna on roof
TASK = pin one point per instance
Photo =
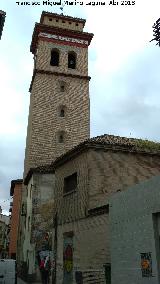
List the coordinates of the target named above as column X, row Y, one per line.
column 62, row 8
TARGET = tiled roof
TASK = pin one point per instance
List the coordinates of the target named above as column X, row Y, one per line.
column 106, row 141
column 113, row 140
column 116, row 143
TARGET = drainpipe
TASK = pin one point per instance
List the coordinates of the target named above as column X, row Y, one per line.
column 55, row 250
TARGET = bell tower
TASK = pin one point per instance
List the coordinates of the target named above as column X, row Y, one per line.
column 59, row 113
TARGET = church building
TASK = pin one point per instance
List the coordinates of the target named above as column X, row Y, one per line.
column 59, row 113
column 69, row 177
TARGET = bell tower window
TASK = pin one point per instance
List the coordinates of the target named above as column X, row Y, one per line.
column 72, row 60
column 54, row 57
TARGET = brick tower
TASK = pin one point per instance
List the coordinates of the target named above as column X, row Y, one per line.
column 59, row 113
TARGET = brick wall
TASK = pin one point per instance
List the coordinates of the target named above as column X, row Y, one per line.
column 90, row 244
column 113, row 171
column 69, row 24
column 72, row 206
column 100, row 174
column 44, row 122
column 44, row 54
column 15, row 219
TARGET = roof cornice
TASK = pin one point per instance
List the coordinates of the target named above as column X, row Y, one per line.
column 41, row 28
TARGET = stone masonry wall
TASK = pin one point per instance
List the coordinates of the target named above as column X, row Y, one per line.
column 72, row 206
column 90, row 244
column 15, row 219
column 100, row 174
column 116, row 171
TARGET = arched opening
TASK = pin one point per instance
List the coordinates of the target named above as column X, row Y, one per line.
column 62, row 86
column 62, row 112
column 72, row 60
column 54, row 57
column 61, row 137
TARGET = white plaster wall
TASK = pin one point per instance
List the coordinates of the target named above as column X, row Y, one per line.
column 133, row 232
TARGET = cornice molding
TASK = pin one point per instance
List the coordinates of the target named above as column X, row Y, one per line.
column 36, row 71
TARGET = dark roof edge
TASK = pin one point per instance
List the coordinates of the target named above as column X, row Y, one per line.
column 13, row 183
column 89, row 144
column 46, row 169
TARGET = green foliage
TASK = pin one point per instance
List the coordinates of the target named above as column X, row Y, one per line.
column 147, row 145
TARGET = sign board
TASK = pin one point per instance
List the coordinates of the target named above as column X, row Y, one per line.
column 146, row 264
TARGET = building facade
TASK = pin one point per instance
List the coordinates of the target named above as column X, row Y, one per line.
column 4, row 235
column 135, row 234
column 15, row 209
column 38, row 216
column 59, row 112
column 85, row 179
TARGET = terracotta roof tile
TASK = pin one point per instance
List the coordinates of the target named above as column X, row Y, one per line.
column 112, row 142
column 106, row 141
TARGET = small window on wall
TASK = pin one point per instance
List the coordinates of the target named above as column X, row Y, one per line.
column 54, row 57
column 61, row 113
column 70, row 183
column 72, row 60
column 61, row 137
column 62, row 86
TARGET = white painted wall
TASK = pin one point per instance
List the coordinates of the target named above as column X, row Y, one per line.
column 134, row 230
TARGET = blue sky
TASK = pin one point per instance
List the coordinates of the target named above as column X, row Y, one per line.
column 123, row 64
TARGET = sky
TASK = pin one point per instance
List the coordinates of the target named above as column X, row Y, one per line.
column 123, row 64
